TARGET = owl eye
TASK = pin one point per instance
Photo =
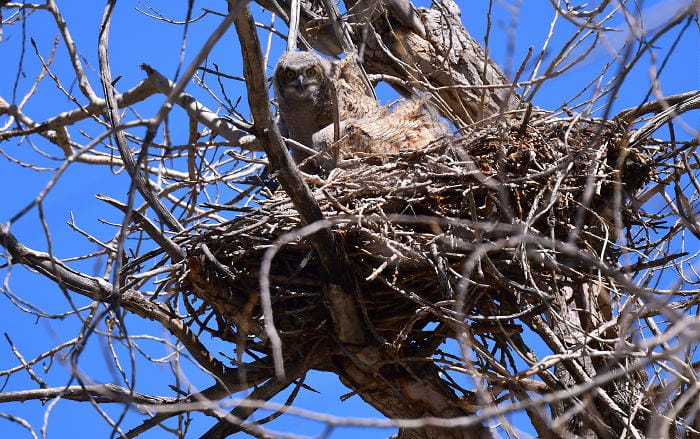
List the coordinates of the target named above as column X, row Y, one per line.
column 290, row 74
column 310, row 73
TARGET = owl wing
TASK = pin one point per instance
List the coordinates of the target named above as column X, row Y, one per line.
column 408, row 127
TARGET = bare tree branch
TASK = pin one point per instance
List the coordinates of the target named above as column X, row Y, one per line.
column 102, row 291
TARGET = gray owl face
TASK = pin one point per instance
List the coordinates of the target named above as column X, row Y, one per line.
column 300, row 75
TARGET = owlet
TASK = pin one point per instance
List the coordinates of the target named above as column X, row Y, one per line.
column 303, row 88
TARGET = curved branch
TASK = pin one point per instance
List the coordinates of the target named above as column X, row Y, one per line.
column 100, row 290
column 657, row 106
column 100, row 393
column 666, row 111
column 154, row 83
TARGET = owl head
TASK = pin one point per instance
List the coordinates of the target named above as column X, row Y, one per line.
column 300, row 75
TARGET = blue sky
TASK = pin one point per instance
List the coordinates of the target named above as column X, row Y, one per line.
column 138, row 39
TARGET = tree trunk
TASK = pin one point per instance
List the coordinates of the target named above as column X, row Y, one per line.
column 406, row 391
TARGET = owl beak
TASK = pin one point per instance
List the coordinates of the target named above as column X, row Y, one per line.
column 300, row 85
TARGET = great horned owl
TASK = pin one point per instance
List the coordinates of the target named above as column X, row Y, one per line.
column 309, row 90
column 303, row 88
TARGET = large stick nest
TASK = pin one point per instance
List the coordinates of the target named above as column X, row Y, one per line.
column 410, row 222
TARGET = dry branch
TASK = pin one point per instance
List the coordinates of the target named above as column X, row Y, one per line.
column 101, row 291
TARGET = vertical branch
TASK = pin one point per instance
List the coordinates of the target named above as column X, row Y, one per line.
column 138, row 179
column 323, row 242
column 83, row 82
column 293, row 26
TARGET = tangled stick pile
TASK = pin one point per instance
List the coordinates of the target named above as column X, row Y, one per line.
column 410, row 222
